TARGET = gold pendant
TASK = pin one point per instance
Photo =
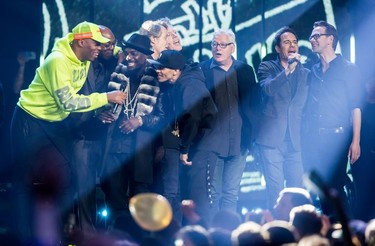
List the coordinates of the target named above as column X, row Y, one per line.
column 176, row 133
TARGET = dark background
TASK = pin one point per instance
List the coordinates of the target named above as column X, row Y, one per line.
column 23, row 29
column 22, row 24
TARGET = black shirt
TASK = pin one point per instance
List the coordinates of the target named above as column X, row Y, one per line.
column 229, row 120
column 334, row 94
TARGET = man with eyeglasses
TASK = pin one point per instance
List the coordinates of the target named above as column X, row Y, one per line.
column 41, row 144
column 231, row 84
column 89, row 133
column 284, row 88
column 333, row 112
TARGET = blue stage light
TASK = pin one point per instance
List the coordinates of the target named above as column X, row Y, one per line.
column 103, row 213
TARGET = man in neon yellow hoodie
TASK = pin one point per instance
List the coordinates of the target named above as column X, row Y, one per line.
column 40, row 137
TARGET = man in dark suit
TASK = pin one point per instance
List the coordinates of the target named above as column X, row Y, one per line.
column 284, row 91
column 231, row 84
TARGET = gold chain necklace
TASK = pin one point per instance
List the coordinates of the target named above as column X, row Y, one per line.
column 176, row 131
column 130, row 103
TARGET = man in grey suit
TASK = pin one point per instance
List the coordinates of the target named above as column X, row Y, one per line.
column 284, row 89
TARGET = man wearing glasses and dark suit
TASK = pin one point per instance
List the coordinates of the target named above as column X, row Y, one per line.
column 231, row 84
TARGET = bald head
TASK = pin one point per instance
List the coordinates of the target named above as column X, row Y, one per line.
column 106, row 32
column 107, row 51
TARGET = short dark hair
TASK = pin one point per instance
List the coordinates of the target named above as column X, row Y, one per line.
column 306, row 220
column 331, row 30
column 281, row 31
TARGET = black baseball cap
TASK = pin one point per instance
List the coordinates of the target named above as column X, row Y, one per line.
column 169, row 59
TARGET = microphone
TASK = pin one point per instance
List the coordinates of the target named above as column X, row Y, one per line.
column 121, row 84
column 116, row 86
column 290, row 61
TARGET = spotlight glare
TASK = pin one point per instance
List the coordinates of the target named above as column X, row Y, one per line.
column 244, row 210
column 179, row 242
column 103, row 213
column 352, row 48
column 257, row 210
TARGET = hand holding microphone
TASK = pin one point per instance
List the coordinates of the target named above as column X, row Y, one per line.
column 294, row 58
column 117, row 97
column 293, row 61
column 118, row 83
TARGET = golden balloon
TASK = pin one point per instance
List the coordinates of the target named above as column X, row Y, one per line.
column 151, row 211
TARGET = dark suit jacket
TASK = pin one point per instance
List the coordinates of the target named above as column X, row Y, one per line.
column 281, row 110
column 247, row 91
column 84, row 124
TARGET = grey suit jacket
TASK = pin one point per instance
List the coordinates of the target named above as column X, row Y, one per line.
column 284, row 98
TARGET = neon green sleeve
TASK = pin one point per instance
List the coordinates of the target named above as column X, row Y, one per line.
column 64, row 80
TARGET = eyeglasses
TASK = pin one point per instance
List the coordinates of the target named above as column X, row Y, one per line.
column 318, row 35
column 110, row 45
column 221, row 45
